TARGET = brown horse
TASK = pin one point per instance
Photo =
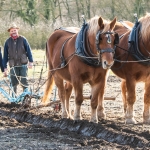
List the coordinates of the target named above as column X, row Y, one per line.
column 133, row 71
column 99, row 45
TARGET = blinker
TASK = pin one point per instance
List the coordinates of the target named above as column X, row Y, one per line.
column 97, row 37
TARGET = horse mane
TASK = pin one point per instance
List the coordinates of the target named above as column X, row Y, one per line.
column 94, row 26
column 145, row 30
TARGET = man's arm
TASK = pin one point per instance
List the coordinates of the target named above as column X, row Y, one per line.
column 28, row 50
column 1, row 62
column 5, row 56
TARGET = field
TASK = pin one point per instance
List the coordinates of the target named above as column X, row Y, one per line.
column 44, row 129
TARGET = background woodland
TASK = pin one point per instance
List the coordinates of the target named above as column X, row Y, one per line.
column 38, row 18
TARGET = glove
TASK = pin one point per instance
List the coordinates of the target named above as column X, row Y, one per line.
column 30, row 65
column 5, row 72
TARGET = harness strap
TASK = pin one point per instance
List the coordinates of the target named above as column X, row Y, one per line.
column 122, row 35
column 107, row 50
column 63, row 62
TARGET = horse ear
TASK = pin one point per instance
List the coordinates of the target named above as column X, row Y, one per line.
column 112, row 24
column 100, row 22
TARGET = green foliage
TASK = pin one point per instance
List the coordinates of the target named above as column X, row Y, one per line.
column 36, row 39
column 46, row 9
column 39, row 18
column 138, row 8
column 28, row 14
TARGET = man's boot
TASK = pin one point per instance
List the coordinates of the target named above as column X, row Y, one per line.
column 27, row 100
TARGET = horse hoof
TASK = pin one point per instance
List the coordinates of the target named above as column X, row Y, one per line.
column 65, row 115
column 94, row 120
column 130, row 121
column 77, row 118
column 71, row 117
column 101, row 116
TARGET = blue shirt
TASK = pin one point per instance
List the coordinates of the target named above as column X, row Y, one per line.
column 27, row 49
column 1, row 62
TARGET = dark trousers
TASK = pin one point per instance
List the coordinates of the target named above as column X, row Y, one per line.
column 19, row 73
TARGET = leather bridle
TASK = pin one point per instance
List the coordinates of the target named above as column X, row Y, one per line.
column 107, row 50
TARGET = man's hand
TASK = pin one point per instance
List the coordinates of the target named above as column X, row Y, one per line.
column 30, row 65
column 5, row 72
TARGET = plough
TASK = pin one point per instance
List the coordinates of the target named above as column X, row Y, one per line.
column 24, row 97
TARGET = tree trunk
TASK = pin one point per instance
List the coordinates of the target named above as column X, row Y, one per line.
column 60, row 14
column 88, row 3
column 78, row 11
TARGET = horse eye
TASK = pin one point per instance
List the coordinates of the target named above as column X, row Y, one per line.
column 100, row 39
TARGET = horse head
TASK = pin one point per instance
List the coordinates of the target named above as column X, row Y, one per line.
column 105, row 39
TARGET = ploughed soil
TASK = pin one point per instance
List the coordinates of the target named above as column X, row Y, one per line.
column 43, row 128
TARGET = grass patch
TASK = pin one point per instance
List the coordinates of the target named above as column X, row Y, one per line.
column 38, row 55
column 39, row 58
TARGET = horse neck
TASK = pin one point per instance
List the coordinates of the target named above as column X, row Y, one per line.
column 120, row 29
column 144, row 46
column 117, row 26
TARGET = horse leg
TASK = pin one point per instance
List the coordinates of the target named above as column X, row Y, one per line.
column 78, row 89
column 61, row 94
column 131, row 97
column 94, row 103
column 123, row 92
column 68, row 90
column 100, row 109
column 146, row 113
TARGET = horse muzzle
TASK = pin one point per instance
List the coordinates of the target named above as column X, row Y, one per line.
column 106, row 64
column 107, row 58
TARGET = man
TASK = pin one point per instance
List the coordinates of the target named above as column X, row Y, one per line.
column 17, row 52
column 1, row 61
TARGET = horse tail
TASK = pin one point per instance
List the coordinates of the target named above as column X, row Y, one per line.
column 50, row 80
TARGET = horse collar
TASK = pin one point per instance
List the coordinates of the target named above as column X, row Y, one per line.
column 134, row 44
column 81, row 50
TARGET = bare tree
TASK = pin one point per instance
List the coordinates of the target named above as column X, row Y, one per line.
column 67, row 6
column 78, row 11
column 60, row 13
column 52, row 10
column 88, row 4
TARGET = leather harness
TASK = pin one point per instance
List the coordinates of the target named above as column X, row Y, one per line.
column 82, row 44
column 134, row 45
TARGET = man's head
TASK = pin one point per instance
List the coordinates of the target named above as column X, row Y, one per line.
column 13, row 26
column 13, row 30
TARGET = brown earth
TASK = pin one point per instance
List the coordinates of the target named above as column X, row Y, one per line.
column 44, row 129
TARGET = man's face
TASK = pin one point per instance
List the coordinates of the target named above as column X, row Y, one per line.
column 13, row 31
